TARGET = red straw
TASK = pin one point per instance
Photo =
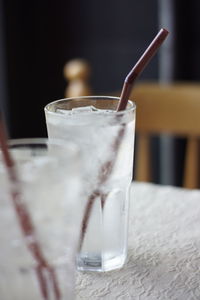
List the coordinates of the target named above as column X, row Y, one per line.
column 27, row 225
column 139, row 67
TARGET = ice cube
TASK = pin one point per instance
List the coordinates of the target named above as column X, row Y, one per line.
column 89, row 109
column 63, row 111
column 83, row 109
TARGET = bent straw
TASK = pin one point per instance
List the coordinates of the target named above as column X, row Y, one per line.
column 26, row 223
column 139, row 67
column 107, row 167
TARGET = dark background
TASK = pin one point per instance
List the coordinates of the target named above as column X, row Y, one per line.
column 38, row 37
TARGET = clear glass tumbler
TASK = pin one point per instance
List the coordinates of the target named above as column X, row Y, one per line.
column 40, row 221
column 106, row 139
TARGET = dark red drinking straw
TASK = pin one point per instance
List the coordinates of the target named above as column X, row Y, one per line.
column 139, row 67
column 26, row 224
column 107, row 167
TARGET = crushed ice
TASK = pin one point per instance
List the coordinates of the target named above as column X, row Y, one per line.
column 83, row 110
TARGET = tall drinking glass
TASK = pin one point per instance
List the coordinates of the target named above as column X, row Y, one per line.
column 40, row 217
column 106, row 138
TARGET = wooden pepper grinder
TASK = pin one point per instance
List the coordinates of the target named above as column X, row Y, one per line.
column 77, row 72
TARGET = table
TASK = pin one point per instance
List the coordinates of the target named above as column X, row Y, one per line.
column 164, row 249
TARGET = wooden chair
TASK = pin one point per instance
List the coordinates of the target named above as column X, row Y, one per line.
column 161, row 109
column 173, row 109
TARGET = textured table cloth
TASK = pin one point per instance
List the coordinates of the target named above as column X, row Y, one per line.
column 164, row 250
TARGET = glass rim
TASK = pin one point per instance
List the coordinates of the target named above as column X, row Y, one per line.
column 122, row 112
column 69, row 146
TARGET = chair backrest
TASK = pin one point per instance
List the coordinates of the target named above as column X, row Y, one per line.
column 171, row 109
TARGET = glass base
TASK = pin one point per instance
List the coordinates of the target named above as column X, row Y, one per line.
column 96, row 264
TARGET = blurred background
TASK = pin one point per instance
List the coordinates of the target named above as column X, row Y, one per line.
column 37, row 38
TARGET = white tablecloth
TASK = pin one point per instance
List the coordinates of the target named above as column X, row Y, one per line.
column 164, row 250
